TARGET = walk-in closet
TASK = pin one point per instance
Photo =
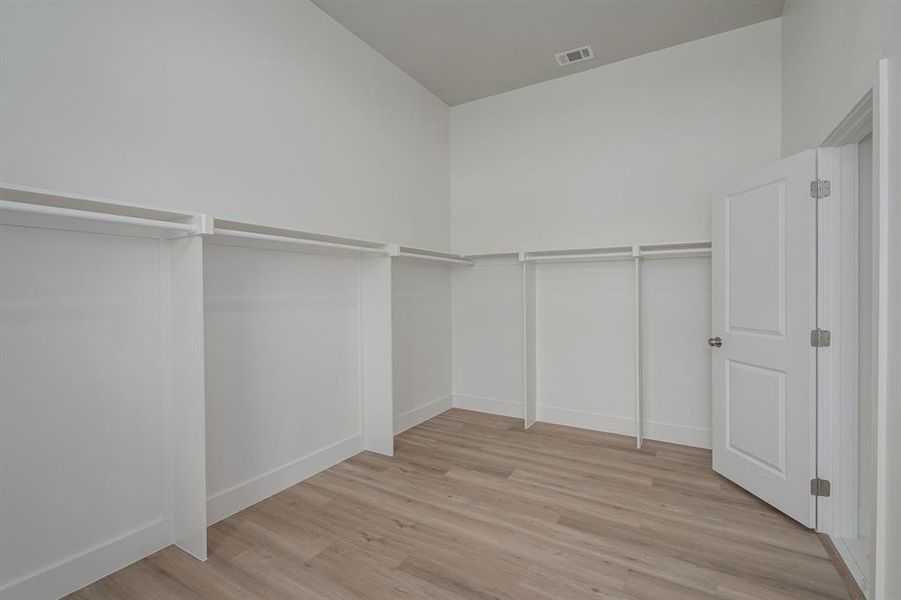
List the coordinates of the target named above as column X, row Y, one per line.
column 431, row 299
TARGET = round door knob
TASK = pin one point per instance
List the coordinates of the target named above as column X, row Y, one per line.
column 715, row 342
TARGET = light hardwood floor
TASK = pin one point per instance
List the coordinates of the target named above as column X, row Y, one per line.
column 472, row 506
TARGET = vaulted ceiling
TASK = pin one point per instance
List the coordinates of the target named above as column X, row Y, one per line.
column 462, row 50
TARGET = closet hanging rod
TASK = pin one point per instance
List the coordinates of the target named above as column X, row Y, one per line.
column 71, row 213
column 580, row 257
column 447, row 259
column 266, row 237
column 676, row 253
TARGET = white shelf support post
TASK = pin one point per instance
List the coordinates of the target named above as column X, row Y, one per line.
column 376, row 377
column 636, row 255
column 188, row 393
column 530, row 350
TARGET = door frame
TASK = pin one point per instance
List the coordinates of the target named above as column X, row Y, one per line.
column 836, row 276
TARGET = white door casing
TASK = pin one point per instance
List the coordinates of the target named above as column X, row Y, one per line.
column 764, row 307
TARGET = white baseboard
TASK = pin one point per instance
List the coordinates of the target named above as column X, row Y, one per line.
column 662, row 432
column 87, row 567
column 586, row 420
column 239, row 497
column 423, row 413
column 491, row 406
column 678, row 434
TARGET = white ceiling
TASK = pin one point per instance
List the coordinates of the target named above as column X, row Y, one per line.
column 462, row 50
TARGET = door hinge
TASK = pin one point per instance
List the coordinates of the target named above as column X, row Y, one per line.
column 820, row 487
column 820, row 338
column 820, row 188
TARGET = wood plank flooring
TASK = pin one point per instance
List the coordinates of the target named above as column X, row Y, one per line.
column 473, row 507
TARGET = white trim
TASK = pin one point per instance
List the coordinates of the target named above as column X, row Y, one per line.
column 848, row 557
column 661, row 432
column 422, row 413
column 84, row 568
column 636, row 253
column 237, row 498
column 491, row 406
column 587, row 420
column 683, row 435
column 829, row 311
column 881, row 195
column 837, row 372
column 856, row 125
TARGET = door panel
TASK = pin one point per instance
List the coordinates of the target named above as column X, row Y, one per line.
column 763, row 310
column 757, row 251
column 756, row 409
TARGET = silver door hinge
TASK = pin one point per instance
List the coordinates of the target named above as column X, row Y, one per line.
column 820, row 338
column 820, row 188
column 820, row 487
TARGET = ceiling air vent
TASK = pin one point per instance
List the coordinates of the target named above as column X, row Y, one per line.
column 573, row 56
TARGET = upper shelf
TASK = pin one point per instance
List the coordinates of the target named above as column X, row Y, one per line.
column 420, row 254
column 30, row 207
column 665, row 250
column 33, row 207
column 236, row 233
column 578, row 255
column 675, row 250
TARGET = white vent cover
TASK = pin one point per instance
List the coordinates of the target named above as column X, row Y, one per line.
column 572, row 56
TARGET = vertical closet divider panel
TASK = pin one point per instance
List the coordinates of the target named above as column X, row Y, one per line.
column 185, row 256
column 636, row 255
column 530, row 327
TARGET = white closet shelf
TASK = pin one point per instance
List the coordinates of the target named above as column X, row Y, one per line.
column 675, row 250
column 665, row 250
column 420, row 254
column 578, row 255
column 491, row 255
column 249, row 235
column 30, row 207
column 493, row 259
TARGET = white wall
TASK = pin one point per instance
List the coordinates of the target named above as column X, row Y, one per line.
column 488, row 337
column 624, row 153
column 84, row 459
column 282, row 351
column 676, row 361
column 421, row 341
column 586, row 345
column 830, row 54
column 266, row 112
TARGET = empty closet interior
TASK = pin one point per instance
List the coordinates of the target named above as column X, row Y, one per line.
column 229, row 361
column 242, row 243
column 611, row 339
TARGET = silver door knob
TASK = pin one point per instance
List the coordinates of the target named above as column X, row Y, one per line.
column 715, row 342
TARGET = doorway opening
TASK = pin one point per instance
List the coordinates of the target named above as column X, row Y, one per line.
column 848, row 306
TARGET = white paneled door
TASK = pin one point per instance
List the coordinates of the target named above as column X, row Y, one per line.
column 764, row 267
